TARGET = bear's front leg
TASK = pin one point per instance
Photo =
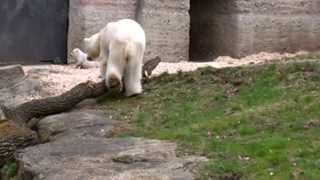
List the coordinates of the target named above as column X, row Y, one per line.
column 115, row 66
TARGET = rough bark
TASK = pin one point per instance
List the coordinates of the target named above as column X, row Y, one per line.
column 24, row 113
column 149, row 66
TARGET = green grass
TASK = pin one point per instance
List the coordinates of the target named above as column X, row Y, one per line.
column 9, row 170
column 259, row 122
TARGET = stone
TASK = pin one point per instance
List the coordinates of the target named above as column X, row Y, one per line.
column 20, row 92
column 16, row 87
column 97, row 158
column 77, row 123
column 10, row 75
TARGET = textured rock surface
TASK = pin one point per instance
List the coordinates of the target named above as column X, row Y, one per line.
column 78, row 149
column 10, row 75
column 78, row 123
column 21, row 92
column 241, row 27
column 89, row 157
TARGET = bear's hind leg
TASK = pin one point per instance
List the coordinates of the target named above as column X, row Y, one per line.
column 133, row 75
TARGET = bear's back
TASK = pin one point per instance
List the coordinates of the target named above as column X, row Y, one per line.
column 126, row 30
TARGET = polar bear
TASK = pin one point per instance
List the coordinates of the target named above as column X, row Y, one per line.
column 82, row 59
column 120, row 48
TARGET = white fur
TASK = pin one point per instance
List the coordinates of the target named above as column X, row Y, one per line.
column 82, row 59
column 92, row 45
column 121, row 45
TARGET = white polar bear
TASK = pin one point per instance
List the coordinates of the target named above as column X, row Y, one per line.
column 120, row 46
column 82, row 59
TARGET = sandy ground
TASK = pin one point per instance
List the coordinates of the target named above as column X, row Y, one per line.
column 57, row 79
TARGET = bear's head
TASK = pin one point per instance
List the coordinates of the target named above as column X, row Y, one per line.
column 75, row 52
column 92, row 46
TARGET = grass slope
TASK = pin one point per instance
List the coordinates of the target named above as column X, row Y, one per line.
column 259, row 122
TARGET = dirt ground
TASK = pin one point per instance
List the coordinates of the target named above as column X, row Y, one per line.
column 56, row 79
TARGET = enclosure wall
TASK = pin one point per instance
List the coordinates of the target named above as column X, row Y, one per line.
column 87, row 17
column 167, row 26
column 217, row 27
column 277, row 25
column 166, row 23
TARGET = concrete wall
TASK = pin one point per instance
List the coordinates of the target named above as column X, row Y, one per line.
column 242, row 27
column 167, row 26
column 166, row 23
column 218, row 27
column 87, row 17
column 278, row 25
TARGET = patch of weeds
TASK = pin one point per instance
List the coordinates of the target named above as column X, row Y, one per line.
column 9, row 170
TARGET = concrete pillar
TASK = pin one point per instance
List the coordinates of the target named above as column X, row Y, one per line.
column 167, row 25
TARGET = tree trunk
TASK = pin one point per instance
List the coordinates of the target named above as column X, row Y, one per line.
column 23, row 113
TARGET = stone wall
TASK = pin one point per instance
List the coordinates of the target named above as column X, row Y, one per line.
column 278, row 25
column 166, row 23
column 242, row 27
column 87, row 17
column 217, row 27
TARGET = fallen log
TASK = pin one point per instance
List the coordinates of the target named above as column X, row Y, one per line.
column 149, row 66
column 24, row 113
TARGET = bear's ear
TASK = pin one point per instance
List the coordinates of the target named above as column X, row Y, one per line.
column 75, row 50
